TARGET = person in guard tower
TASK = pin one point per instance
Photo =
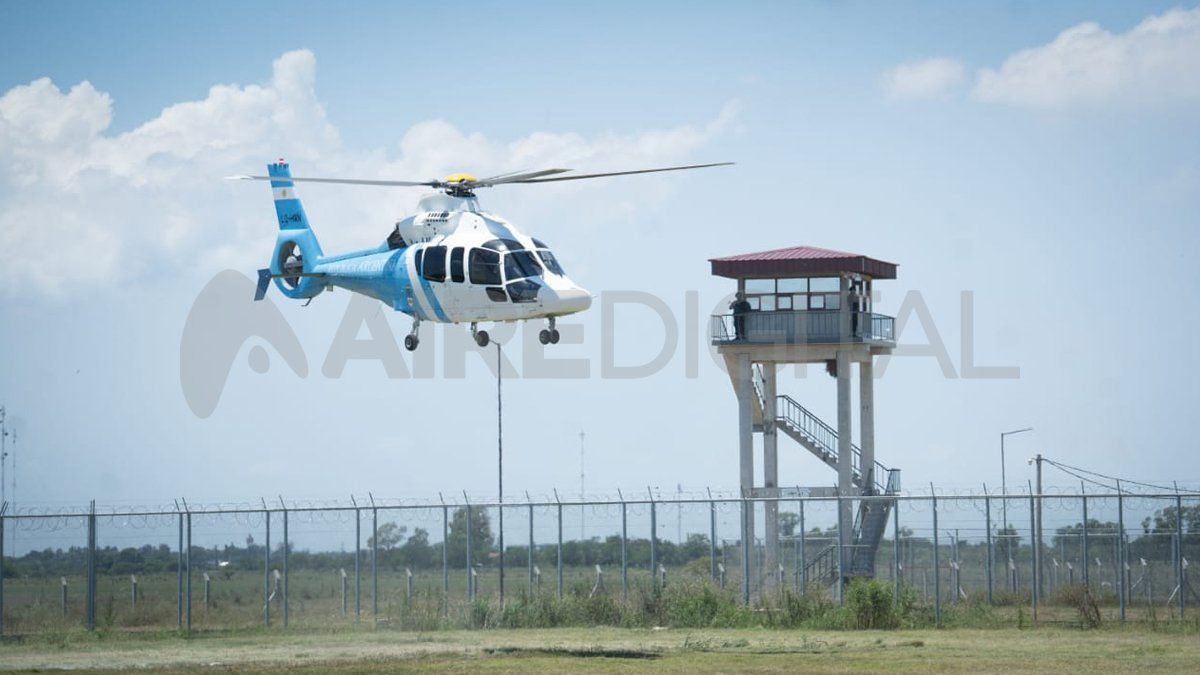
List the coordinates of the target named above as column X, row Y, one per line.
column 739, row 307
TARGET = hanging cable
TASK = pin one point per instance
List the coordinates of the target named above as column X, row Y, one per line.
column 1068, row 468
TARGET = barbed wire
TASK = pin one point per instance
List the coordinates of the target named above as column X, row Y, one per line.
column 344, row 511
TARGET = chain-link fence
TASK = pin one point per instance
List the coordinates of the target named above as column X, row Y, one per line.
column 283, row 563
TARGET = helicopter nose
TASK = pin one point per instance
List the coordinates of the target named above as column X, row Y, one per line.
column 572, row 300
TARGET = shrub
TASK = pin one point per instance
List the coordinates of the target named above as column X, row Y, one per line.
column 871, row 604
column 1080, row 597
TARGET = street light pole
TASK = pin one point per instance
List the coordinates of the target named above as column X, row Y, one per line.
column 500, row 464
column 1004, row 479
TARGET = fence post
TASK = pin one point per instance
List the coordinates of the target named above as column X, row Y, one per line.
column 1086, row 548
column 896, row 550
column 1179, row 551
column 712, row 537
column 803, row 562
column 3, row 508
column 1122, row 574
column 267, row 568
column 375, row 558
column 408, row 588
column 560, row 546
column 357, row 561
column 470, row 562
column 345, row 593
column 207, row 581
column 531, row 544
column 445, row 555
column 937, row 576
column 624, row 550
column 286, row 554
column 653, row 540
column 179, row 575
column 991, row 551
column 64, row 596
column 187, row 557
column 91, row 568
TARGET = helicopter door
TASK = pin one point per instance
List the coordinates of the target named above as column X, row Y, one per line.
column 485, row 288
column 454, row 290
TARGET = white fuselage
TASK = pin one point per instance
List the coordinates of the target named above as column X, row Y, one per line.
column 458, row 264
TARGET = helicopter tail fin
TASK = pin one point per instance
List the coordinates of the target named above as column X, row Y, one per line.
column 288, row 208
column 296, row 249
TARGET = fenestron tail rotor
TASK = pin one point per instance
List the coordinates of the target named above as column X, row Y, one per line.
column 463, row 184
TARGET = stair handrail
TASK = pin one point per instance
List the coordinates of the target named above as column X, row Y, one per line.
column 825, row 436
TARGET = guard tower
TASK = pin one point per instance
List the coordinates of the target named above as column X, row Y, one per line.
column 809, row 305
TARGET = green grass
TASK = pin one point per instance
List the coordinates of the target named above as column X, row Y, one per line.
column 1046, row 650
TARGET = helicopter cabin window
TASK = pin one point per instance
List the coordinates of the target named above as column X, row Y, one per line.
column 484, row 265
column 521, row 264
column 496, row 294
column 435, row 263
column 456, row 265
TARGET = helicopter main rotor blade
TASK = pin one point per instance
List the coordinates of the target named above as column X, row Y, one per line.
column 517, row 177
column 347, row 181
column 620, row 173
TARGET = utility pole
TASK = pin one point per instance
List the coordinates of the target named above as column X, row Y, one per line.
column 1038, row 460
column 1004, row 480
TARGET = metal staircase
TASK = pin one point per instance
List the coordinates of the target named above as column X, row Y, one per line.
column 821, row 440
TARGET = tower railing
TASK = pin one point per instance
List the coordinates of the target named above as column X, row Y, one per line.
column 802, row 327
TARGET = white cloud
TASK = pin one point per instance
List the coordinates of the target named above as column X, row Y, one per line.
column 1156, row 61
column 83, row 208
column 923, row 79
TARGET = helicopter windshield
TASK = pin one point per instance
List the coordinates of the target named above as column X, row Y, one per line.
column 521, row 264
column 551, row 262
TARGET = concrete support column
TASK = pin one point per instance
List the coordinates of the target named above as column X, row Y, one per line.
column 770, row 471
column 866, row 423
column 745, row 398
column 845, row 454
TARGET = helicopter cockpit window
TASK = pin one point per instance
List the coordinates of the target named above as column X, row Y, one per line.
column 504, row 245
column 484, row 266
column 435, row 263
column 456, row 265
column 521, row 264
column 551, row 262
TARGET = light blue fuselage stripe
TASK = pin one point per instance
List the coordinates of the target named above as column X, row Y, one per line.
column 397, row 262
column 433, row 301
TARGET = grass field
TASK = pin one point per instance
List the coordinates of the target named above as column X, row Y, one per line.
column 612, row 650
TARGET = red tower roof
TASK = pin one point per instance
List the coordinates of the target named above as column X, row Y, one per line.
column 800, row 261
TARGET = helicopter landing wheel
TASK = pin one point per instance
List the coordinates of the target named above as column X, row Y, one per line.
column 481, row 338
column 554, row 336
column 545, row 337
column 411, row 342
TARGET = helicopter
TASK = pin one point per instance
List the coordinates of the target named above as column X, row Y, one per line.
column 451, row 262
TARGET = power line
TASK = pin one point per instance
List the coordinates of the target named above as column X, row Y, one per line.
column 1069, row 469
column 1080, row 476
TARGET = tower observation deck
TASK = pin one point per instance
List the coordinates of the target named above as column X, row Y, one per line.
column 809, row 305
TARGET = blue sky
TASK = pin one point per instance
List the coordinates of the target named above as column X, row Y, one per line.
column 944, row 137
